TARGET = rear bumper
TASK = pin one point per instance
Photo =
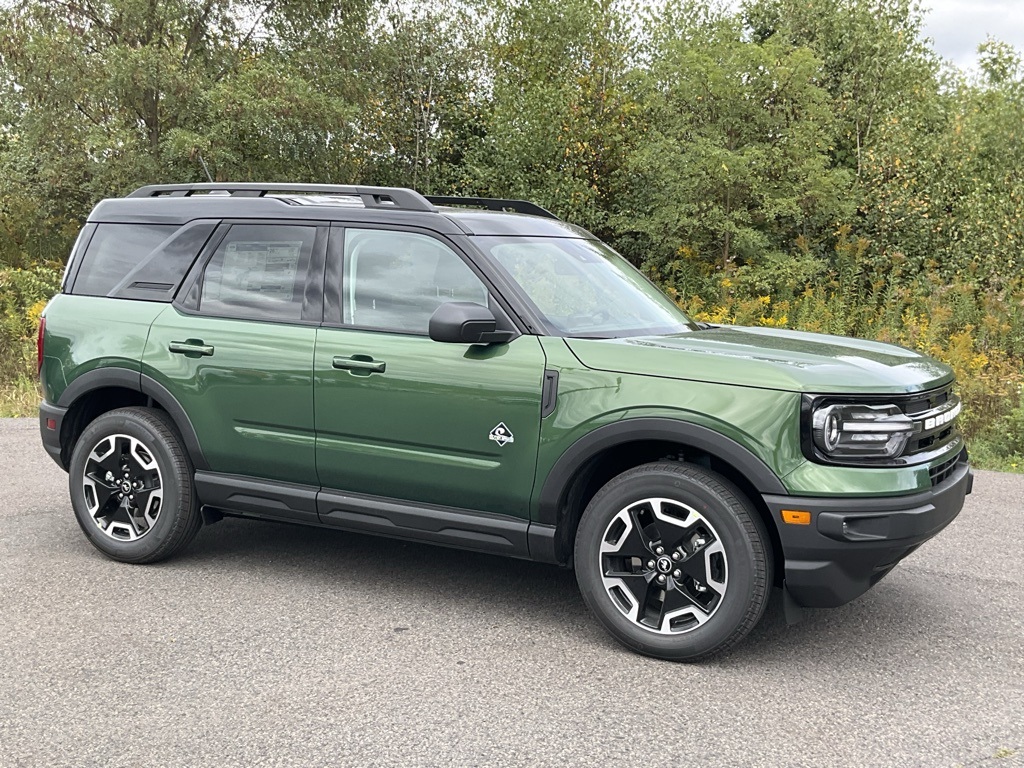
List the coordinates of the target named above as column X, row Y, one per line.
column 52, row 414
column 852, row 543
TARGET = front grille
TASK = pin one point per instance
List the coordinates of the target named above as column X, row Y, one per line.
column 930, row 438
column 943, row 470
column 925, row 401
column 930, row 442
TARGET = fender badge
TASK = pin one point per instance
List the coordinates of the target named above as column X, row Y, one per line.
column 501, row 435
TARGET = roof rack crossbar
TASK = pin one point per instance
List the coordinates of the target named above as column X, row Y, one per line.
column 494, row 204
column 396, row 198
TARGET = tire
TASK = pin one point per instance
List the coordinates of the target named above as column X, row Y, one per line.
column 673, row 560
column 137, row 453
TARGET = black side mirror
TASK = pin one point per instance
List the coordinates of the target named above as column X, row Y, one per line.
column 465, row 322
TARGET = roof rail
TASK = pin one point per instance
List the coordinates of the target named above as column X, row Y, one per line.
column 494, row 204
column 395, row 198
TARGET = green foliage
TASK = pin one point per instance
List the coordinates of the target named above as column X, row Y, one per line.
column 23, row 295
column 735, row 159
column 561, row 116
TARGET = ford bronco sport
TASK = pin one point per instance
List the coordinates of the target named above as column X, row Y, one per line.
column 476, row 373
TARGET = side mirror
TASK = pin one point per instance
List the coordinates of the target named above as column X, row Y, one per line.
column 464, row 322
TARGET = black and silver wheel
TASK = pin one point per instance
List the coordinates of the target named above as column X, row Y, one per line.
column 131, row 486
column 673, row 561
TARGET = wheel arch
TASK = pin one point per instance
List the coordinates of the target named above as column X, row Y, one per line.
column 104, row 389
column 597, row 457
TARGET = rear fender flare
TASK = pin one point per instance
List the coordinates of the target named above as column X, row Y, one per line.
column 101, row 378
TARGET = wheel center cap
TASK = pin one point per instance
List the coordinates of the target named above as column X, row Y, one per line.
column 126, row 486
column 664, row 565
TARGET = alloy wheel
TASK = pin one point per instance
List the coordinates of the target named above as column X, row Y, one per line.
column 123, row 487
column 663, row 565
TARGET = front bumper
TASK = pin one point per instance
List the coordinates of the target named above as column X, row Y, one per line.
column 852, row 543
column 52, row 414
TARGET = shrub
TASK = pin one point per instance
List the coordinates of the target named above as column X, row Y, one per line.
column 23, row 296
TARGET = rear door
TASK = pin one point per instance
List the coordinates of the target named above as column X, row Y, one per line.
column 401, row 416
column 236, row 348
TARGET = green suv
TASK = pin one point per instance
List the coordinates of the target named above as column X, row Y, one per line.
column 478, row 374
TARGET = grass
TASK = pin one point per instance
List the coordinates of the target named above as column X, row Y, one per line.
column 19, row 397
column 986, row 456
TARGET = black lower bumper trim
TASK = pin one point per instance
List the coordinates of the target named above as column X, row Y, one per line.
column 51, row 435
column 853, row 543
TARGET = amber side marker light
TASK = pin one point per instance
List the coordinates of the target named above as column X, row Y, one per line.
column 796, row 517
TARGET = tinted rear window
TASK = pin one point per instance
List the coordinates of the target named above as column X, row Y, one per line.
column 140, row 261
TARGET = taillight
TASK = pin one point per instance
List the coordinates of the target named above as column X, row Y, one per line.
column 39, row 345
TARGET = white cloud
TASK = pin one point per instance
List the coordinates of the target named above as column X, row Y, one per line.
column 957, row 27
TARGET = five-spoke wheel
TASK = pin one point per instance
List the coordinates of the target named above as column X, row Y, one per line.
column 663, row 565
column 122, row 487
column 673, row 560
column 131, row 486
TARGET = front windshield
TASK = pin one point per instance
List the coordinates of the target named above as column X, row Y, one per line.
column 583, row 288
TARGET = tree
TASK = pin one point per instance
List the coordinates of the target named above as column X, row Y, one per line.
column 560, row 113
column 874, row 60
column 108, row 94
column 421, row 98
column 734, row 170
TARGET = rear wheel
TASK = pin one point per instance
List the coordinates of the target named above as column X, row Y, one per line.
column 131, row 486
column 673, row 560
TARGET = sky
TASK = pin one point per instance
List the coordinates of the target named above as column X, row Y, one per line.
column 958, row 26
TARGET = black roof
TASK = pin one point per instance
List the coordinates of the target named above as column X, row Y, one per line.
column 180, row 203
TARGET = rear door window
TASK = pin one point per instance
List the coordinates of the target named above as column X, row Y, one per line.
column 259, row 271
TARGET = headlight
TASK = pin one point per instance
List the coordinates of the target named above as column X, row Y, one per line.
column 861, row 431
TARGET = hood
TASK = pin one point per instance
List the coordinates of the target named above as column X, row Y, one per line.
column 769, row 358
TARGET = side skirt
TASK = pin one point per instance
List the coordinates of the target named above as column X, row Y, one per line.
column 447, row 526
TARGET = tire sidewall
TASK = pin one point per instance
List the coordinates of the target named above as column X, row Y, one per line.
column 175, row 488
column 741, row 556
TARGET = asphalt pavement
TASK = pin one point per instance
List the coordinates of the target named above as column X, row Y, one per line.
column 267, row 644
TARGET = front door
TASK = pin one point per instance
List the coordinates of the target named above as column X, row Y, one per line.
column 404, row 417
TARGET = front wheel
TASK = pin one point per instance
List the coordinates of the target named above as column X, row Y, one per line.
column 673, row 561
column 131, row 486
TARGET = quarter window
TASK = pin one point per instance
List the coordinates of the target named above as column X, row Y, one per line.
column 258, row 271
column 395, row 280
column 117, row 250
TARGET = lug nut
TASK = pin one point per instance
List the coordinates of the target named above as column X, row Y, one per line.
column 120, row 495
column 650, row 563
column 131, row 497
column 661, row 579
column 659, row 551
column 676, row 573
column 676, row 555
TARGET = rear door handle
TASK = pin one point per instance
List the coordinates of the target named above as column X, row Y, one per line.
column 190, row 347
column 361, row 365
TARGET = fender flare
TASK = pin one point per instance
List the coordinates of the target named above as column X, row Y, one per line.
column 100, row 378
column 553, row 494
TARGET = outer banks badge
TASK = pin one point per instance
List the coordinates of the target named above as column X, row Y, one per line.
column 501, row 435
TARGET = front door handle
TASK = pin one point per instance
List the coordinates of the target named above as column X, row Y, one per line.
column 361, row 365
column 190, row 347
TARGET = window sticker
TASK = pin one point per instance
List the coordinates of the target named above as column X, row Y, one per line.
column 264, row 268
